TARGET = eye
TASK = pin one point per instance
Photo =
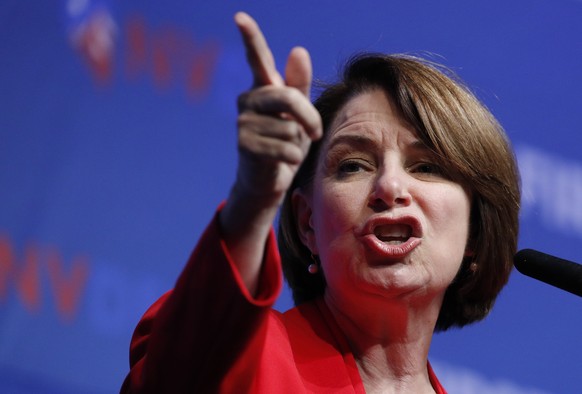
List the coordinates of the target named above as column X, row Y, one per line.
column 351, row 166
column 427, row 168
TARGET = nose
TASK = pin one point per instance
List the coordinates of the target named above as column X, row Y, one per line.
column 391, row 189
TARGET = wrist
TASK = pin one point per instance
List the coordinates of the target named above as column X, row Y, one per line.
column 247, row 213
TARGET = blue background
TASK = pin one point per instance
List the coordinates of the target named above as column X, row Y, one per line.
column 107, row 180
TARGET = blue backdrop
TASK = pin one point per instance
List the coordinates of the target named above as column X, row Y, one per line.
column 117, row 142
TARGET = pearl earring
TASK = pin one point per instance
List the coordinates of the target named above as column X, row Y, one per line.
column 473, row 267
column 313, row 268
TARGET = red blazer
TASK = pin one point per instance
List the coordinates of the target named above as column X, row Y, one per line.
column 208, row 335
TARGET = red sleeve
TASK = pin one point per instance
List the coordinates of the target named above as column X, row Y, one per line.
column 190, row 339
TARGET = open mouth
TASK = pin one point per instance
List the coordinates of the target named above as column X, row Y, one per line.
column 393, row 234
column 390, row 239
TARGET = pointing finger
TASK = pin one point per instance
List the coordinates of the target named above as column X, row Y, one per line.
column 259, row 55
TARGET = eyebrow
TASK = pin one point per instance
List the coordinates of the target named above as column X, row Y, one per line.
column 363, row 142
column 359, row 141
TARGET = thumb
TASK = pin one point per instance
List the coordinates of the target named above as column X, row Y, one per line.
column 298, row 71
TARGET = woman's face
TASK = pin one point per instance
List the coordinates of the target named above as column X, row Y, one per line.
column 383, row 218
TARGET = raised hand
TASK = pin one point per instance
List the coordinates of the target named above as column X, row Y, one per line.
column 276, row 119
column 276, row 125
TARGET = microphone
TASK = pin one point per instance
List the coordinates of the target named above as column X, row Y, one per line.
column 552, row 270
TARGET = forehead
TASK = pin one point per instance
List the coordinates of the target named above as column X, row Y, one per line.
column 372, row 112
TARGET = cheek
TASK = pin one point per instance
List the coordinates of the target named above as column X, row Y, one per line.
column 450, row 205
column 451, row 220
column 463, row 215
column 336, row 211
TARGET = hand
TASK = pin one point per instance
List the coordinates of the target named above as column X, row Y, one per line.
column 276, row 122
column 276, row 125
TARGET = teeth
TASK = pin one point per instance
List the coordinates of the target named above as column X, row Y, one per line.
column 393, row 233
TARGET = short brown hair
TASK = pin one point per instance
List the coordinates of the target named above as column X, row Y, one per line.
column 473, row 149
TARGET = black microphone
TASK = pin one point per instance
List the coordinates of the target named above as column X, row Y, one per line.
column 552, row 270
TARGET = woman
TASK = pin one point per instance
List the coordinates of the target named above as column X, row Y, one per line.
column 399, row 198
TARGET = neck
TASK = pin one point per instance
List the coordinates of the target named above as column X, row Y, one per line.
column 390, row 341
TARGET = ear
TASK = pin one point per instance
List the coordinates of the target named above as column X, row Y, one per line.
column 302, row 211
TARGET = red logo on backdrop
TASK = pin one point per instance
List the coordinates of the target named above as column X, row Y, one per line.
column 170, row 55
column 27, row 272
column 95, row 38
